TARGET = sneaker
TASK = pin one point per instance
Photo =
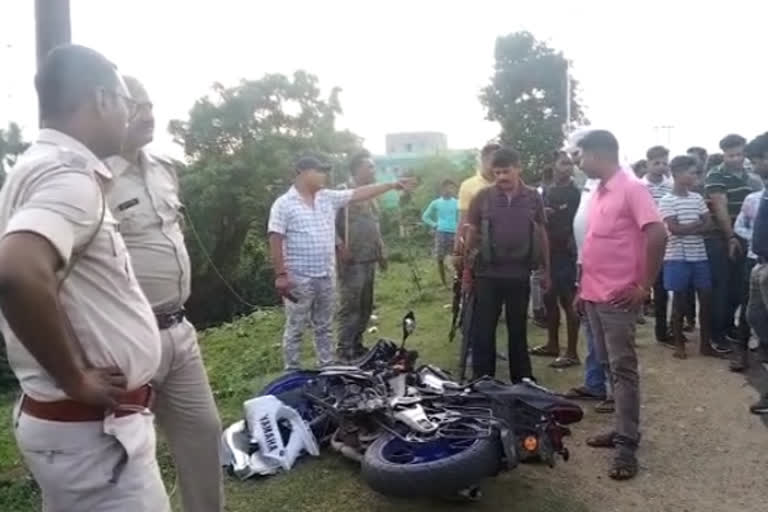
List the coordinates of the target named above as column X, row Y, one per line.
column 760, row 407
column 689, row 327
column 641, row 320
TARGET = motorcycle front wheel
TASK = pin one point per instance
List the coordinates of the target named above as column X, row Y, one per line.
column 437, row 468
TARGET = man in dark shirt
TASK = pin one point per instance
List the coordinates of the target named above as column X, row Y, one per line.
column 359, row 248
column 561, row 200
column 506, row 239
column 726, row 186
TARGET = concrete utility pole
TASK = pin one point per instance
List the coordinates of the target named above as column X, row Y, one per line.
column 52, row 26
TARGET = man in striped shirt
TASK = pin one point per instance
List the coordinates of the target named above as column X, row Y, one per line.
column 727, row 186
column 685, row 261
column 656, row 179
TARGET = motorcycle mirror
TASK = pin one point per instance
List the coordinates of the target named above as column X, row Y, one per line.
column 409, row 325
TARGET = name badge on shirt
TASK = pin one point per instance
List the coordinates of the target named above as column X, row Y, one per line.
column 128, row 204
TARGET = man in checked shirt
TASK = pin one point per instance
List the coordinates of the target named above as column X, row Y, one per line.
column 302, row 243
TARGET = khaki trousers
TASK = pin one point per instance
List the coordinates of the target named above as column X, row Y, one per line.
column 187, row 415
column 95, row 466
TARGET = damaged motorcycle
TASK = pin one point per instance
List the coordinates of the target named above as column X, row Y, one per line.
column 415, row 431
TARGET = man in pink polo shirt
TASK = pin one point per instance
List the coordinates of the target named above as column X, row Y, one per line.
column 622, row 255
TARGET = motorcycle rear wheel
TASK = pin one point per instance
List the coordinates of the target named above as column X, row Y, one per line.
column 439, row 468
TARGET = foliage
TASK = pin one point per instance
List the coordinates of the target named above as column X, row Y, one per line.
column 242, row 141
column 431, row 175
column 12, row 144
column 527, row 97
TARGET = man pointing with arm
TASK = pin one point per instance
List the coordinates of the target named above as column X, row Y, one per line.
column 302, row 241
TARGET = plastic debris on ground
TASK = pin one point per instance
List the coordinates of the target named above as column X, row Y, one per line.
column 270, row 439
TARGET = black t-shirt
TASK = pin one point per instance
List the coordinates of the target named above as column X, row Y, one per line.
column 563, row 201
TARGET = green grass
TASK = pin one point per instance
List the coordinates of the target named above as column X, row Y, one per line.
column 241, row 357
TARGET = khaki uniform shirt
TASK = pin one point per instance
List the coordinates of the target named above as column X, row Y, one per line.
column 55, row 192
column 144, row 199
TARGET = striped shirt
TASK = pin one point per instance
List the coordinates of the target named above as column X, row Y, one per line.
column 685, row 210
column 658, row 190
column 736, row 186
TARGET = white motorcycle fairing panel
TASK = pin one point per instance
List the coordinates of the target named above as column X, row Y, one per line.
column 256, row 446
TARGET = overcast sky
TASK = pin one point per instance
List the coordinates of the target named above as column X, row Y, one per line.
column 419, row 65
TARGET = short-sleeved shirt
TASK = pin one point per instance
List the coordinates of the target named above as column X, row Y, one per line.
column 55, row 192
column 685, row 210
column 745, row 222
column 735, row 185
column 497, row 203
column 144, row 198
column 446, row 212
column 564, row 201
column 358, row 226
column 760, row 229
column 613, row 257
column 309, row 231
column 469, row 189
column 658, row 190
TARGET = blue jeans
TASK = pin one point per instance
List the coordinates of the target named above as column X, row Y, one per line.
column 594, row 374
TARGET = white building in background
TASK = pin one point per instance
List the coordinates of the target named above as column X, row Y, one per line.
column 416, row 143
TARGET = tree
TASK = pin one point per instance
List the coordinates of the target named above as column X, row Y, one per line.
column 11, row 146
column 527, row 96
column 241, row 142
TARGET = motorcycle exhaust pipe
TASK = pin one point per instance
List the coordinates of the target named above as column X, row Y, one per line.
column 346, row 451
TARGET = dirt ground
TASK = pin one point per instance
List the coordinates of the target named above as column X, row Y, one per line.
column 701, row 450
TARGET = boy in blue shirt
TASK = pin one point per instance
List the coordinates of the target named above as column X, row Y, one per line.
column 442, row 215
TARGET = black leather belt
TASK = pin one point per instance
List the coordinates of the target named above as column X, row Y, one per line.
column 168, row 320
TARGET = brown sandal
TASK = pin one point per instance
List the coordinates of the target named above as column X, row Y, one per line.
column 604, row 440
column 582, row 393
column 606, row 407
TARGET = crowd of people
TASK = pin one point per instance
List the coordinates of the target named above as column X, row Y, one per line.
column 94, row 274
column 601, row 242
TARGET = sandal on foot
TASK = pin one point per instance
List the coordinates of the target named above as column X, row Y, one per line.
column 564, row 362
column 582, row 393
column 605, row 407
column 625, row 467
column 604, row 440
column 543, row 350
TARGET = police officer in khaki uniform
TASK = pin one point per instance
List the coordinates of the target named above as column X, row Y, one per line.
column 81, row 336
column 144, row 198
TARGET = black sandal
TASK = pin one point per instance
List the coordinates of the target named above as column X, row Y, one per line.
column 543, row 350
column 625, row 467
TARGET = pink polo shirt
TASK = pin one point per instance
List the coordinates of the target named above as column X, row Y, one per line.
column 613, row 257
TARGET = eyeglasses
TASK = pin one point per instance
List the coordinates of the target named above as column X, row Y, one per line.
column 133, row 106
